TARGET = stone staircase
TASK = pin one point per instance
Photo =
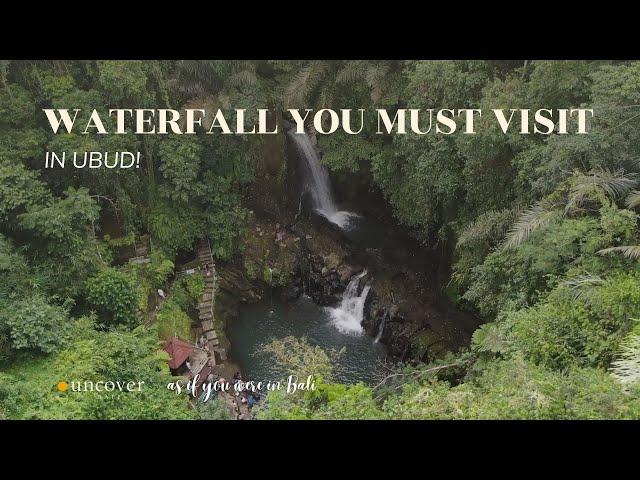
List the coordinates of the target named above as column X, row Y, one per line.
column 205, row 307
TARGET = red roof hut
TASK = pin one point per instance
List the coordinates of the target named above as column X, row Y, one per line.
column 179, row 352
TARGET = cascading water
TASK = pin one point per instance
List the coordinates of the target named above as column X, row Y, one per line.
column 381, row 329
column 347, row 317
column 319, row 183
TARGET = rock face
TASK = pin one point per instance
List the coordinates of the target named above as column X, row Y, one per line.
column 288, row 262
column 291, row 259
column 321, row 282
column 417, row 331
column 233, row 289
column 388, row 325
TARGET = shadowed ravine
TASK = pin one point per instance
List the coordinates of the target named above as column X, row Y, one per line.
column 360, row 316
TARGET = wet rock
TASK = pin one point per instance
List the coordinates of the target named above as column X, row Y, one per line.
column 373, row 315
column 293, row 292
column 321, row 282
column 317, row 263
column 332, row 261
column 396, row 337
column 346, row 271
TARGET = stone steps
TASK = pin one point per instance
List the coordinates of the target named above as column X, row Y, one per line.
column 207, row 326
column 206, row 306
column 211, row 336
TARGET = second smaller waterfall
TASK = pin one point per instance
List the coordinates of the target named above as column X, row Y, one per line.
column 381, row 328
column 347, row 317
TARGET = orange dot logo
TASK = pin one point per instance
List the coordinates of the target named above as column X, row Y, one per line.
column 63, row 386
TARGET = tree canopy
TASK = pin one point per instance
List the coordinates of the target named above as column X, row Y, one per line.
column 540, row 232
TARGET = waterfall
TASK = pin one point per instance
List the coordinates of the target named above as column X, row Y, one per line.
column 381, row 328
column 347, row 317
column 319, row 183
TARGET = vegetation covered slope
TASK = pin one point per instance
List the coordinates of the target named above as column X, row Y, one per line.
column 542, row 230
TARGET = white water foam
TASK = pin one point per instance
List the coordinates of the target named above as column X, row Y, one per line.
column 348, row 316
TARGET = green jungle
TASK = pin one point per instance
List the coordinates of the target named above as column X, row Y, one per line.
column 532, row 241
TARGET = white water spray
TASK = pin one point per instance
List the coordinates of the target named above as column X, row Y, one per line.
column 319, row 183
column 347, row 317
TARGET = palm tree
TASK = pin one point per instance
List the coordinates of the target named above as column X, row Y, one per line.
column 596, row 186
column 627, row 367
column 633, row 199
column 600, row 185
column 197, row 78
column 319, row 81
column 214, row 84
column 489, row 226
column 629, row 251
column 312, row 80
column 4, row 71
column 581, row 282
column 537, row 216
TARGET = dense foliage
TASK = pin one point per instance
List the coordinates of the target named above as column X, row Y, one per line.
column 63, row 231
column 542, row 232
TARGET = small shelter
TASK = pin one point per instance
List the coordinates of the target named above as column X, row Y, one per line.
column 179, row 351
